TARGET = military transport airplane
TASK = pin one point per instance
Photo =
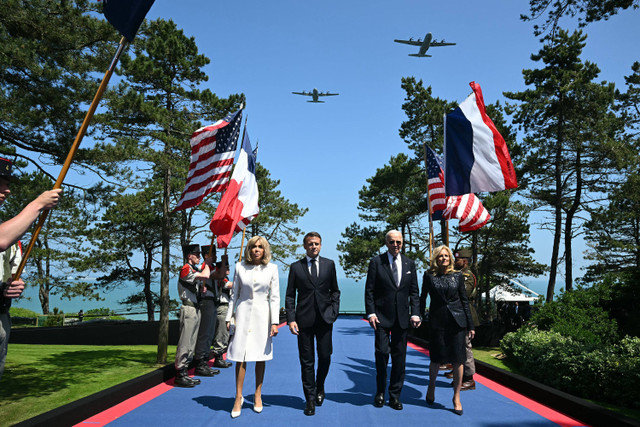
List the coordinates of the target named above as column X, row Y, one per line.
column 315, row 94
column 424, row 45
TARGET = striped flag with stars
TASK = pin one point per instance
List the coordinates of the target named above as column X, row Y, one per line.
column 213, row 149
column 435, row 186
column 467, row 208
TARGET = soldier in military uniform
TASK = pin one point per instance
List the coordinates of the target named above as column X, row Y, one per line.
column 463, row 264
column 11, row 252
column 190, row 285
column 208, row 310
column 221, row 338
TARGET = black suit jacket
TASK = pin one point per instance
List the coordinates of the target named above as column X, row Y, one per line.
column 451, row 298
column 323, row 294
column 388, row 301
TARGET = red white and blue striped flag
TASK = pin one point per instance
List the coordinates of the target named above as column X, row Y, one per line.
column 213, row 148
column 467, row 208
column 476, row 157
column 239, row 204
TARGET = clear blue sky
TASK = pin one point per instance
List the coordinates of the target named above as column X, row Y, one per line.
column 323, row 153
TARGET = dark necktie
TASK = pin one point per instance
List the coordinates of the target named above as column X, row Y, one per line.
column 394, row 269
column 314, row 269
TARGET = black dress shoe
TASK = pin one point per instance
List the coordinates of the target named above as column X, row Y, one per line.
column 319, row 398
column 468, row 385
column 395, row 403
column 310, row 408
column 378, row 401
column 221, row 363
column 204, row 371
column 183, row 381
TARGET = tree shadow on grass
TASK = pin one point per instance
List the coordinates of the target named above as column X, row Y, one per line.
column 53, row 373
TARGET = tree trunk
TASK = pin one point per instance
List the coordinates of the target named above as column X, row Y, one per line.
column 43, row 295
column 148, row 297
column 568, row 227
column 551, row 287
column 163, row 331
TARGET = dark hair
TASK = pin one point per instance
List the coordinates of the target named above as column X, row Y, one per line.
column 312, row 234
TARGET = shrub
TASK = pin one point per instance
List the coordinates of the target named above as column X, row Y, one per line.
column 580, row 315
column 22, row 312
column 608, row 374
column 54, row 320
column 102, row 313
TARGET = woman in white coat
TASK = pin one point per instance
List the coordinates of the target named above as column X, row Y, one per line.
column 255, row 308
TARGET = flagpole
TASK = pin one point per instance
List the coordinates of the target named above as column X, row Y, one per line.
column 242, row 140
column 244, row 230
column 444, row 224
column 426, row 166
column 72, row 152
column 213, row 243
column 242, row 244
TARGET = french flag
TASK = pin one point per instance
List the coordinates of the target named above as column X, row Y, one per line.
column 239, row 204
column 475, row 154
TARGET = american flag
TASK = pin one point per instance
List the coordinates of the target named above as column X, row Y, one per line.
column 467, row 208
column 213, row 148
column 435, row 186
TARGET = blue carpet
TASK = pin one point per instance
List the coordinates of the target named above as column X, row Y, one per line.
column 349, row 394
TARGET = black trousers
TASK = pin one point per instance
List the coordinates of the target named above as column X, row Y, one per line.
column 321, row 333
column 390, row 341
column 207, row 329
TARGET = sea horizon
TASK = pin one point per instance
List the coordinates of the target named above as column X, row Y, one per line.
column 351, row 298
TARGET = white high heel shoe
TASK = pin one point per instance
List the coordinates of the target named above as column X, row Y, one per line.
column 236, row 414
column 257, row 409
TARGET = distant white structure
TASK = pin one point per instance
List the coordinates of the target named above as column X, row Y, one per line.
column 510, row 290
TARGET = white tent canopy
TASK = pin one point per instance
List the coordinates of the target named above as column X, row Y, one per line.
column 510, row 290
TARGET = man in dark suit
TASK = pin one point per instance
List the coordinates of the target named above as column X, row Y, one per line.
column 311, row 317
column 392, row 303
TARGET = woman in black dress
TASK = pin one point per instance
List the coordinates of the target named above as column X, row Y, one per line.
column 449, row 320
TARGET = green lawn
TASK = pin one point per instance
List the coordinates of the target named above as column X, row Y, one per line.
column 38, row 378
column 494, row 357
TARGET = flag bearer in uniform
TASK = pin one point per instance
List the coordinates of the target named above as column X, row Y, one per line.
column 190, row 284
column 11, row 253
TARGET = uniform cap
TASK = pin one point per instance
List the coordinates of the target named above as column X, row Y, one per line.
column 5, row 167
column 464, row 253
column 190, row 249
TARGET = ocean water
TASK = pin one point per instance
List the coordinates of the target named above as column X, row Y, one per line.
column 351, row 297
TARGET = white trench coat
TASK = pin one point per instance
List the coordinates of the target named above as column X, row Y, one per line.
column 255, row 304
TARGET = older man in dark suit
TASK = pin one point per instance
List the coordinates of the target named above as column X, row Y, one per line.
column 311, row 317
column 392, row 303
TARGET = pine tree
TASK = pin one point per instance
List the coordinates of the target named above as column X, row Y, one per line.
column 570, row 146
column 52, row 55
column 151, row 115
